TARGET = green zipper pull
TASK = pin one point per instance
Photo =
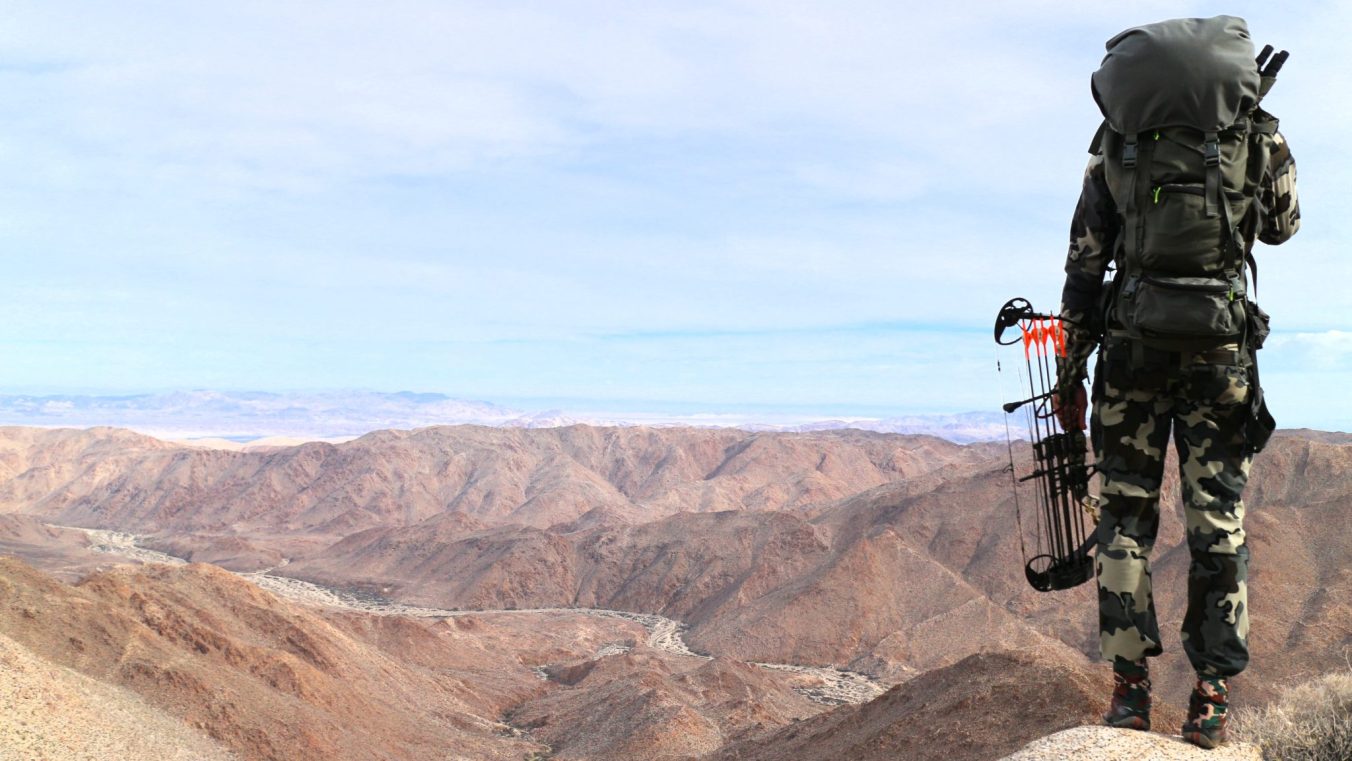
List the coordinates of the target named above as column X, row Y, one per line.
column 1156, row 193
column 1157, row 135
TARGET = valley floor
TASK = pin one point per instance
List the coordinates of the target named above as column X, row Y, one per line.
column 830, row 686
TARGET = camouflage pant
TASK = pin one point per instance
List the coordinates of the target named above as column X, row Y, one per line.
column 1205, row 406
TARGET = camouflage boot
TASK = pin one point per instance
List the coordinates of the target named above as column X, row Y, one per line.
column 1205, row 726
column 1130, row 708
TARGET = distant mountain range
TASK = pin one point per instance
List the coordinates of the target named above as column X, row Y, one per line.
column 249, row 415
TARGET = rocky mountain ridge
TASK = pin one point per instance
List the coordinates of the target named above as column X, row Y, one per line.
column 109, row 478
column 885, row 554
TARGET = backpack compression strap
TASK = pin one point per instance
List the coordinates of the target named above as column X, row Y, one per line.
column 1215, row 199
column 1215, row 188
column 1136, row 159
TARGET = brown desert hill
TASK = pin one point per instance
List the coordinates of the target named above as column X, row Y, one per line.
column 981, row 708
column 906, row 573
column 1328, row 437
column 51, row 712
column 265, row 678
column 61, row 551
column 773, row 586
column 687, row 710
column 622, row 700
column 876, row 582
column 1299, row 527
column 903, row 577
column 638, row 567
column 538, row 477
column 211, row 654
column 44, row 459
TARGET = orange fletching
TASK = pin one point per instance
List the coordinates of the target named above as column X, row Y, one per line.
column 1059, row 337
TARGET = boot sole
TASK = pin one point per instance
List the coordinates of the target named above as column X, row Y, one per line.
column 1202, row 740
column 1139, row 723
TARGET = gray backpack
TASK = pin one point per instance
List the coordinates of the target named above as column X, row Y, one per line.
column 1185, row 146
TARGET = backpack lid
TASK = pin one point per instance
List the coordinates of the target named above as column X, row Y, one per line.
column 1197, row 73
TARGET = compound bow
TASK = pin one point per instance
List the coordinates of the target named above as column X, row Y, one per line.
column 1063, row 541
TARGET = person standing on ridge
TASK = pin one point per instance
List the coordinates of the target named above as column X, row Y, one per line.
column 1186, row 172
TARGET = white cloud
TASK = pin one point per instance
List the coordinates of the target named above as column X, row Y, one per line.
column 432, row 87
column 478, row 170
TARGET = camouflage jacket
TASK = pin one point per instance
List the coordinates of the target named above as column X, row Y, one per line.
column 1093, row 235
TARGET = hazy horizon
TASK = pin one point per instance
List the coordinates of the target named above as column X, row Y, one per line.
column 244, row 416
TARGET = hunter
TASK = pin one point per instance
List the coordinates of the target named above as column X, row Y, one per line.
column 1186, row 173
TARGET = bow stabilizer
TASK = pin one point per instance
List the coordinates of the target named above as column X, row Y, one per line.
column 1060, row 475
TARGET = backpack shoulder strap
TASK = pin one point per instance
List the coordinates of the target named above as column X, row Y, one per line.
column 1263, row 124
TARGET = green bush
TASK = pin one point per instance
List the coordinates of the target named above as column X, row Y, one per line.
column 1310, row 722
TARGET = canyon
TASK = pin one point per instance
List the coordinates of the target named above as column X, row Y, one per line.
column 555, row 554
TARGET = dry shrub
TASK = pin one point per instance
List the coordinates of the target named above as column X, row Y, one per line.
column 1310, row 722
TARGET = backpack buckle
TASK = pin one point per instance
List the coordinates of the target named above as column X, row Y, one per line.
column 1129, row 287
column 1211, row 150
column 1129, row 151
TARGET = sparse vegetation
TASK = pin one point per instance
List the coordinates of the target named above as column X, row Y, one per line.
column 1310, row 722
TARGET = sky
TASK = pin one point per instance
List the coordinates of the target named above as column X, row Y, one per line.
column 812, row 206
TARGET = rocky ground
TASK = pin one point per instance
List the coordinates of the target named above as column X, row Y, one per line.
column 978, row 709
column 1098, row 743
column 53, row 713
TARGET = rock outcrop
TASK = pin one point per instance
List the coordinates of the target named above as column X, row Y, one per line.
column 981, row 708
column 1100, row 743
